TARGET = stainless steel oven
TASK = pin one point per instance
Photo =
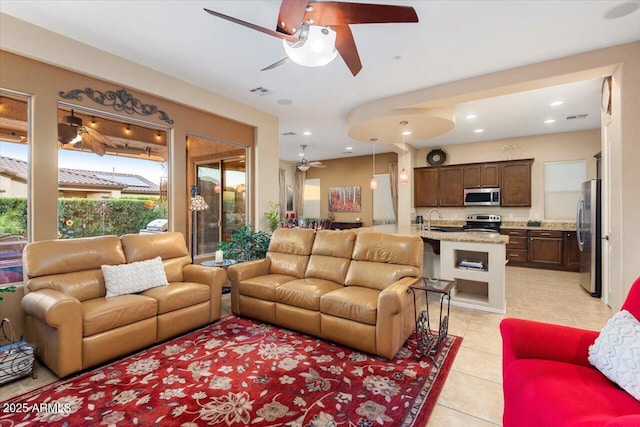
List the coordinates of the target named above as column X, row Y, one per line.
column 482, row 197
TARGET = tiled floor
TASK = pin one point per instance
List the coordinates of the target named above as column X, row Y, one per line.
column 472, row 395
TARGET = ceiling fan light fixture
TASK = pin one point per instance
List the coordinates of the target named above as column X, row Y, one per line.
column 304, row 168
column 316, row 49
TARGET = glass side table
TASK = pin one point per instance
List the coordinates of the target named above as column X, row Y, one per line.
column 224, row 264
column 428, row 339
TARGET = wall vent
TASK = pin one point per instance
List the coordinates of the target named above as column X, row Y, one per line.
column 260, row 91
column 289, row 134
column 577, row 116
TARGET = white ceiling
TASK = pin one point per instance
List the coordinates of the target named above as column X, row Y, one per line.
column 454, row 40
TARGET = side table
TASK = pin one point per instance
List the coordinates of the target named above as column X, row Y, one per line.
column 224, row 264
column 429, row 340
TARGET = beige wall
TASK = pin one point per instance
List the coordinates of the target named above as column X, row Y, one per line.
column 543, row 148
column 347, row 172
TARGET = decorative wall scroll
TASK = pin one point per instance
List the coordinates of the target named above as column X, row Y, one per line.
column 120, row 100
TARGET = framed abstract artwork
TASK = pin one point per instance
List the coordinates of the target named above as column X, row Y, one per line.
column 344, row 199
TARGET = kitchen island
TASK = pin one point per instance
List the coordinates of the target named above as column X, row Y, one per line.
column 475, row 260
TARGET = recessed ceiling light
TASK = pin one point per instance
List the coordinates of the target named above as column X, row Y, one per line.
column 349, row 148
column 470, row 116
column 556, row 103
column 479, row 130
column 301, row 154
column 397, row 58
column 306, row 133
column 549, row 121
column 406, row 132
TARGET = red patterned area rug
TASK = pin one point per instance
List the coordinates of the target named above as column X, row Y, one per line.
column 242, row 372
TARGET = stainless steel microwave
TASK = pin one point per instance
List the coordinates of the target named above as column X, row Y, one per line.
column 482, row 197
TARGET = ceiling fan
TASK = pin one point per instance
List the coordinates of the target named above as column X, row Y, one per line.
column 71, row 131
column 313, row 33
column 305, row 164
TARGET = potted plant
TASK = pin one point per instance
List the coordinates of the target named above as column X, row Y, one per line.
column 246, row 244
column 273, row 216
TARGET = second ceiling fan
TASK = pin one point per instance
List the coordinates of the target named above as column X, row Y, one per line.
column 313, row 33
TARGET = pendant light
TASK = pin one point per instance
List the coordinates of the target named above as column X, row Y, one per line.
column 404, row 176
column 374, row 181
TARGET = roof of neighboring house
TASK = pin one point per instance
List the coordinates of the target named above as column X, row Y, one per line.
column 125, row 182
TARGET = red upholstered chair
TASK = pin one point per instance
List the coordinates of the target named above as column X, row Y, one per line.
column 548, row 381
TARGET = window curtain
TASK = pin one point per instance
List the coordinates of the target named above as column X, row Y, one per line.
column 283, row 194
column 393, row 181
column 299, row 193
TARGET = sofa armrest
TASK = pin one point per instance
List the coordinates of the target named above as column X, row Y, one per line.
column 527, row 339
column 53, row 308
column 212, row 276
column 246, row 270
column 395, row 297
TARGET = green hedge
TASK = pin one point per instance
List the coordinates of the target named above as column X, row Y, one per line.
column 87, row 217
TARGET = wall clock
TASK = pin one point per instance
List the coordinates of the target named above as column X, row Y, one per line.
column 436, row 157
column 606, row 95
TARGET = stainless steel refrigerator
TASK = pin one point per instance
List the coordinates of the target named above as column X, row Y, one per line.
column 589, row 237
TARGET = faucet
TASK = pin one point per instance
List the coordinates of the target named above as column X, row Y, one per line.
column 429, row 218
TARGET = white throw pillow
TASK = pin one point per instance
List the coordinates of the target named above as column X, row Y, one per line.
column 135, row 277
column 616, row 352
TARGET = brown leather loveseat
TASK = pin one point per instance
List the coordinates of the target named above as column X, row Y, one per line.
column 75, row 326
column 345, row 286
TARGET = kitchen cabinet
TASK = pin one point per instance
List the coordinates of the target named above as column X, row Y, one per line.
column 517, row 253
column 515, row 183
column 479, row 175
column 571, row 251
column 545, row 247
column 450, row 186
column 425, row 187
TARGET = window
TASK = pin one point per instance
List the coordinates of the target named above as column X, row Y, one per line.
column 14, row 184
column 311, row 203
column 112, row 175
column 382, row 201
column 562, row 181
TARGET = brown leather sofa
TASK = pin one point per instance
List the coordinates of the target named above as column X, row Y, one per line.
column 345, row 286
column 74, row 326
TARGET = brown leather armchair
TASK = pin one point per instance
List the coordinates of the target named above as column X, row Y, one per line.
column 346, row 286
column 72, row 323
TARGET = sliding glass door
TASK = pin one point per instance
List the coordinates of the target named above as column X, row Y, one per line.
column 222, row 183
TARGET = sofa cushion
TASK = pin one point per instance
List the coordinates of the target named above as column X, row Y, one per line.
column 135, row 277
column 139, row 247
column 289, row 251
column 569, row 394
column 105, row 314
column 334, row 243
column 616, row 352
column 377, row 275
column 353, row 303
column 288, row 264
column 179, row 295
column 328, row 268
column 389, row 248
column 305, row 293
column 263, row 287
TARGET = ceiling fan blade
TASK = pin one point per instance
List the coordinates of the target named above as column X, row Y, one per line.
column 253, row 26
column 338, row 13
column 275, row 64
column 291, row 15
column 98, row 137
column 346, row 46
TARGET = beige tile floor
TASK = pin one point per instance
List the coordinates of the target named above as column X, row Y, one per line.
column 472, row 394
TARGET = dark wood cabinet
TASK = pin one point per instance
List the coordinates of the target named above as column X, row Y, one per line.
column 345, row 225
column 450, row 186
column 425, row 187
column 517, row 246
column 545, row 247
column 571, row 251
column 548, row 249
column 485, row 175
column 515, row 183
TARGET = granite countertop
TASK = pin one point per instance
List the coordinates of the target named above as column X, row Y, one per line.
column 412, row 230
column 544, row 225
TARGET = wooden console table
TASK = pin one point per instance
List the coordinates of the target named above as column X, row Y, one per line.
column 345, row 225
